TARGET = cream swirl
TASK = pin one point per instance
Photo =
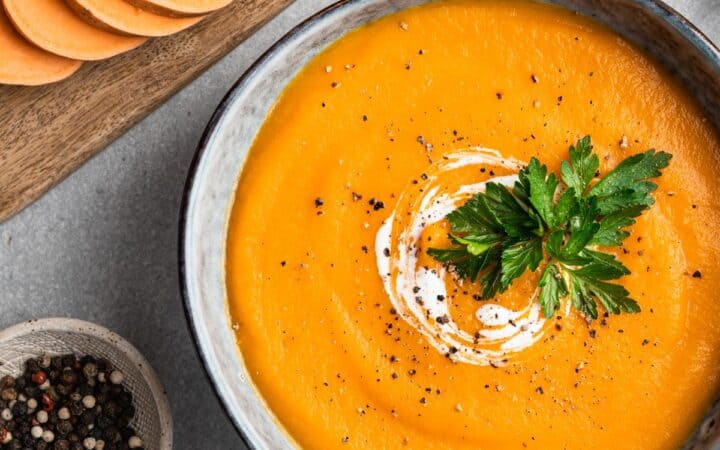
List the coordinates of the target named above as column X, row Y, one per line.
column 419, row 293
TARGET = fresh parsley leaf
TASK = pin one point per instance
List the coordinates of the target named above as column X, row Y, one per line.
column 518, row 256
column 501, row 233
column 463, row 263
column 474, row 217
column 466, row 265
column 552, row 289
column 612, row 231
column 582, row 167
column 566, row 207
column 554, row 242
column 491, row 282
column 477, row 245
column 448, row 255
column 628, row 181
column 601, row 266
column 542, row 190
column 631, row 171
column 579, row 238
column 508, row 211
column 613, row 297
column 521, row 189
column 581, row 298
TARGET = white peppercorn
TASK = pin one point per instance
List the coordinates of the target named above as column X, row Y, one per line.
column 36, row 431
column 135, row 442
column 116, row 377
column 75, row 411
column 44, row 361
column 41, row 416
column 90, row 370
column 63, row 413
column 48, row 436
column 89, row 401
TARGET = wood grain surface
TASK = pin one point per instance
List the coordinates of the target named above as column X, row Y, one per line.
column 47, row 132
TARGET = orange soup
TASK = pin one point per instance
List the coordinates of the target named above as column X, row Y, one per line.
column 351, row 146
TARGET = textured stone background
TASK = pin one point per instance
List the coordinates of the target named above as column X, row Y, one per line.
column 102, row 245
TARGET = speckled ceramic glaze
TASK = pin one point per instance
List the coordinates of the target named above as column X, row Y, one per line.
column 59, row 336
column 224, row 147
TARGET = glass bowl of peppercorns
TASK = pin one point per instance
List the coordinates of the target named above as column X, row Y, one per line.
column 66, row 384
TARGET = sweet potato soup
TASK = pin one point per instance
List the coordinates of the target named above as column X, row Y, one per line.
column 357, row 338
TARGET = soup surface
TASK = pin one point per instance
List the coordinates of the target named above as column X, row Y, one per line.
column 355, row 136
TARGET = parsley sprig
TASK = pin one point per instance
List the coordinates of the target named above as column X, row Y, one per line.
column 560, row 223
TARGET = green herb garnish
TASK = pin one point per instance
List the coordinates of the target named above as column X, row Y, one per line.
column 561, row 222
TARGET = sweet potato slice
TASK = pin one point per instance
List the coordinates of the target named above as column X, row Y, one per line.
column 53, row 26
column 180, row 8
column 23, row 63
column 121, row 17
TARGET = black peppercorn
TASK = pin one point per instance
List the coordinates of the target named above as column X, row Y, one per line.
column 7, row 381
column 68, row 360
column 31, row 391
column 62, row 444
column 112, row 434
column 111, row 409
column 123, row 420
column 28, row 441
column 68, row 377
column 63, row 390
column 104, row 421
column 82, row 431
column 88, row 417
column 85, row 389
column 19, row 409
column 66, row 381
column 103, row 365
column 64, row 427
column 76, row 408
column 88, row 359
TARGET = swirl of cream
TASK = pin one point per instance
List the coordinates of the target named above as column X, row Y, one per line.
column 419, row 294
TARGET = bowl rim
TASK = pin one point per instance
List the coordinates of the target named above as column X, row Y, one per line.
column 659, row 8
column 100, row 332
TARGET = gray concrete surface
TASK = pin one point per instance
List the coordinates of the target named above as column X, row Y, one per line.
column 102, row 245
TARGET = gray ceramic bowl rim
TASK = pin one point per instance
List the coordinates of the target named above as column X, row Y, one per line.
column 658, row 8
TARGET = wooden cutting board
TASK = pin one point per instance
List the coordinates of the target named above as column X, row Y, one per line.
column 47, row 132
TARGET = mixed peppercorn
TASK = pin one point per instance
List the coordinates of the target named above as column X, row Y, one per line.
column 66, row 403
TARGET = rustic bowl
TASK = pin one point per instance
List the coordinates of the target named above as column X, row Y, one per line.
column 60, row 336
column 222, row 151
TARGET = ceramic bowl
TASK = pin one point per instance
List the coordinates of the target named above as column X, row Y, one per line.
column 221, row 155
column 60, row 336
